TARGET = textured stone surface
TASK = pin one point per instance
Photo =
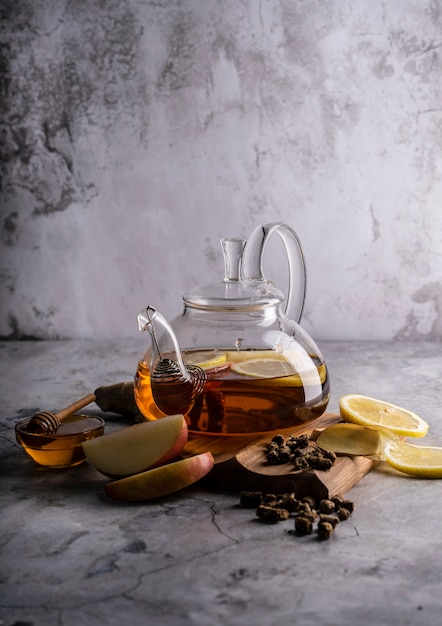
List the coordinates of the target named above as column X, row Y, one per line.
column 134, row 135
column 70, row 556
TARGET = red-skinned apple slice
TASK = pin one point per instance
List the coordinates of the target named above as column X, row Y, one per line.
column 161, row 481
column 139, row 447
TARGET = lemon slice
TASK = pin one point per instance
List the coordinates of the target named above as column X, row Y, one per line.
column 205, row 360
column 248, row 355
column 370, row 412
column 264, row 368
column 315, row 376
column 421, row 461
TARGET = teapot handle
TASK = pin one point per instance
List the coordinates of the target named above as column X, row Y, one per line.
column 252, row 263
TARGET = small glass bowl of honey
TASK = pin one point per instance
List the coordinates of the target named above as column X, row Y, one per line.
column 63, row 448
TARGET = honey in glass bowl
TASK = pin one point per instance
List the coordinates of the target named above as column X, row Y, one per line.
column 63, row 448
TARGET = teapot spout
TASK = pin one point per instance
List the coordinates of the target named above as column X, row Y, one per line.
column 175, row 387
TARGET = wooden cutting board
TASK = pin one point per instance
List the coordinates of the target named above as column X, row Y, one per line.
column 240, row 464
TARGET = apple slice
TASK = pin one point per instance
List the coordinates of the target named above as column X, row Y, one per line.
column 138, row 447
column 161, row 481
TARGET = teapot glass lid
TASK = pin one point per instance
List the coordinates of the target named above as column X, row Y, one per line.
column 234, row 292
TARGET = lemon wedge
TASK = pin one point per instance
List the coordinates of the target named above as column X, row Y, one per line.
column 205, row 360
column 374, row 413
column 420, row 461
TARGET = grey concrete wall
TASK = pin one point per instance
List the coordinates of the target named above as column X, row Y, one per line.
column 136, row 134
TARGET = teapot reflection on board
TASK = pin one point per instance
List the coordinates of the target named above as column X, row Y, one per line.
column 236, row 360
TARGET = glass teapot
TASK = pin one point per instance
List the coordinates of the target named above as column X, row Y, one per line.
column 236, row 360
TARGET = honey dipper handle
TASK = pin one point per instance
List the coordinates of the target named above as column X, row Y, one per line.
column 72, row 408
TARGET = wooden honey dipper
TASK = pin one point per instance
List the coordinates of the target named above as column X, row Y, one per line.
column 117, row 398
column 46, row 422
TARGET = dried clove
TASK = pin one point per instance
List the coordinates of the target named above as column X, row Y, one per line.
column 327, row 506
column 303, row 525
column 250, row 499
column 271, row 513
column 325, row 530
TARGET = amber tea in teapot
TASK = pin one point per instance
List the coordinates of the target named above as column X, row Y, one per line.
column 247, row 391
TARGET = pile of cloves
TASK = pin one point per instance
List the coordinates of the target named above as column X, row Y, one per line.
column 307, row 511
column 300, row 450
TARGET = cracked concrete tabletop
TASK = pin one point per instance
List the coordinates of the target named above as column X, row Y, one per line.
column 71, row 556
